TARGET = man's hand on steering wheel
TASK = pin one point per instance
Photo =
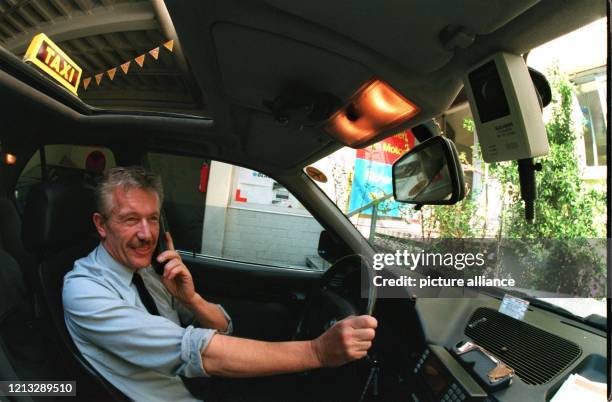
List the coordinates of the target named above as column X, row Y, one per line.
column 346, row 341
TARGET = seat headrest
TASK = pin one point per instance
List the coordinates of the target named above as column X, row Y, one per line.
column 57, row 214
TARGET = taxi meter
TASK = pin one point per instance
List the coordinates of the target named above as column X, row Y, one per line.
column 47, row 56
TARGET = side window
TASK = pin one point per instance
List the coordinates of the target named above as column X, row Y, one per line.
column 226, row 211
column 63, row 161
column 184, row 198
column 591, row 93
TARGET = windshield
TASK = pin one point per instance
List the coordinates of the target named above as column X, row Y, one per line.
column 571, row 205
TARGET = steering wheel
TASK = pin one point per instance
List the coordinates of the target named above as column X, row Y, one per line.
column 337, row 296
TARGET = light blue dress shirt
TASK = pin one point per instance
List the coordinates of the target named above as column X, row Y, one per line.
column 141, row 354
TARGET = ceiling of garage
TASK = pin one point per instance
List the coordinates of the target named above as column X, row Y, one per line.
column 101, row 34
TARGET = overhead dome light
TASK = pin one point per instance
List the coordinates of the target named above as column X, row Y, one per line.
column 375, row 107
column 9, row 159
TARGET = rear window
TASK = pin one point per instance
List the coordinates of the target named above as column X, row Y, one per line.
column 63, row 161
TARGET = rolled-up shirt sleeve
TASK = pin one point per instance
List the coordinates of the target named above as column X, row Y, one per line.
column 230, row 325
column 94, row 312
column 188, row 318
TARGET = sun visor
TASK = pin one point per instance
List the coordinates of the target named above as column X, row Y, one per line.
column 407, row 31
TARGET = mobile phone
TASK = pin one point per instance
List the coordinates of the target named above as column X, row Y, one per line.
column 161, row 246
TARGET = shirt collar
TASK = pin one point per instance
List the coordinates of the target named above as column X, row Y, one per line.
column 123, row 273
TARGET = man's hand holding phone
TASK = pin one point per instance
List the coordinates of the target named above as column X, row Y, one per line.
column 178, row 281
column 176, row 277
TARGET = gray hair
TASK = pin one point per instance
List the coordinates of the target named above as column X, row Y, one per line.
column 126, row 178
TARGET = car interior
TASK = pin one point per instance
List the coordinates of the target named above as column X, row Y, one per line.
column 246, row 71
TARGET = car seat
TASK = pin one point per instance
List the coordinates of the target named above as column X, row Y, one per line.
column 23, row 353
column 10, row 240
column 58, row 229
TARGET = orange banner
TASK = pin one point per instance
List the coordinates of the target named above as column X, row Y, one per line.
column 126, row 66
column 169, row 45
column 140, row 60
column 111, row 73
column 154, row 52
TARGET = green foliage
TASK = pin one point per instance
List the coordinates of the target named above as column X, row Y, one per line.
column 457, row 221
column 560, row 252
column 454, row 221
column 565, row 208
column 468, row 124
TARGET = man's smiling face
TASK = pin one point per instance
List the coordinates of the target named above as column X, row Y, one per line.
column 130, row 231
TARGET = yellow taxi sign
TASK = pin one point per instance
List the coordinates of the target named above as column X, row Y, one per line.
column 47, row 56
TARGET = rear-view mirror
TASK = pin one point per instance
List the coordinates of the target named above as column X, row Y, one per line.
column 430, row 173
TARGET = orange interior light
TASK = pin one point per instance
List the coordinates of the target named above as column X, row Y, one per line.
column 376, row 107
column 9, row 159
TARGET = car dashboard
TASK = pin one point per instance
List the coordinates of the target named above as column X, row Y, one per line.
column 422, row 352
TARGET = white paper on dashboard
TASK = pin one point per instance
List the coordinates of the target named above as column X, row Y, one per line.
column 578, row 388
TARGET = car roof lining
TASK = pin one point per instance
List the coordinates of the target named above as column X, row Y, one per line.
column 432, row 91
column 407, row 32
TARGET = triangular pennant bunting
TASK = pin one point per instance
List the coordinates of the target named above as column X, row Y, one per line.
column 111, row 73
column 140, row 60
column 169, row 45
column 154, row 52
column 125, row 67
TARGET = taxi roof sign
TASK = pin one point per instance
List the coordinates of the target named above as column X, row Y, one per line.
column 47, row 56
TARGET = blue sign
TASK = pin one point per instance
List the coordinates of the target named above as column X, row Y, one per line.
column 372, row 180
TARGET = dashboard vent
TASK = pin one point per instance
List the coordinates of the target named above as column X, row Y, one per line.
column 536, row 356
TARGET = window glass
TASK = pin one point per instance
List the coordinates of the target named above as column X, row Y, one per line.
column 582, row 56
column 226, row 211
column 591, row 94
column 64, row 161
column 131, row 65
column 360, row 185
column 253, row 189
column 184, row 197
column 571, row 200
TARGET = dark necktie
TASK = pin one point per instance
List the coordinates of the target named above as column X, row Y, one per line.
column 145, row 296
